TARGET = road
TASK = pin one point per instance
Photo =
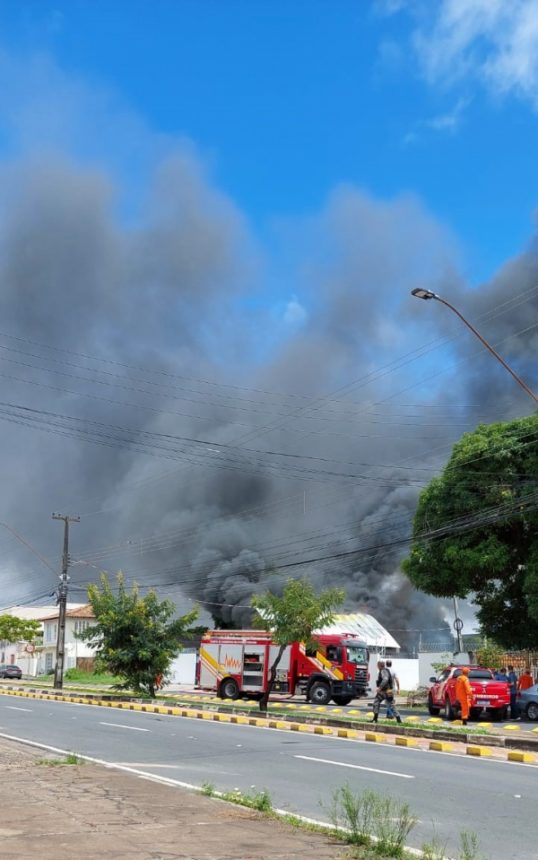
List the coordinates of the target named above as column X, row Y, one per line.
column 495, row 799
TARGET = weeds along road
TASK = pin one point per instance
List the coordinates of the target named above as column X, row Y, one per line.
column 448, row 792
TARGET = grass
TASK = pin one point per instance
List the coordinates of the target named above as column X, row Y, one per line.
column 83, row 677
column 258, row 800
column 71, row 758
column 374, row 826
column 372, row 820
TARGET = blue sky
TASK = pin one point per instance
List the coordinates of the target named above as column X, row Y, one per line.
column 287, row 100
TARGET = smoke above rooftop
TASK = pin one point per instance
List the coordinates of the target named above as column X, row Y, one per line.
column 226, row 411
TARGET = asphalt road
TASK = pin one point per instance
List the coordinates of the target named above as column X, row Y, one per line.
column 495, row 799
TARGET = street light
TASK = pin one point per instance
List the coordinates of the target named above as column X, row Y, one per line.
column 421, row 293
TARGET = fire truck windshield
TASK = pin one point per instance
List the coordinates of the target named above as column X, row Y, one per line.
column 356, row 654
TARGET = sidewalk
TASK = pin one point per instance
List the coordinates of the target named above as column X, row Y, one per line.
column 90, row 812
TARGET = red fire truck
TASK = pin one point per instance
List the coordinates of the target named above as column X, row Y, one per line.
column 236, row 663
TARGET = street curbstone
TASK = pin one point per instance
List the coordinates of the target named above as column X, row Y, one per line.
column 347, row 733
column 481, row 752
column 524, row 757
column 374, row 737
column 434, row 720
column 294, row 727
column 405, row 742
column 440, row 746
column 322, row 730
column 512, row 728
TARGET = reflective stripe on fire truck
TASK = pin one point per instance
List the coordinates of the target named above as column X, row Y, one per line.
column 209, row 662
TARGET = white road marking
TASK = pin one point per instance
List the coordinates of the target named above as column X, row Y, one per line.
column 354, row 766
column 13, row 708
column 121, row 726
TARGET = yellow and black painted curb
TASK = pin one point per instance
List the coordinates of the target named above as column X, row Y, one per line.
column 283, row 725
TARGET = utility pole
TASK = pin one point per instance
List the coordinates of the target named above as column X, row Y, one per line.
column 62, row 602
column 458, row 625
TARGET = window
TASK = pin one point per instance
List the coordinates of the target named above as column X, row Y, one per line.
column 51, row 632
column 357, row 654
column 81, row 624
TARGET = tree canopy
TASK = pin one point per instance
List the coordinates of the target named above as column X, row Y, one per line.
column 16, row 630
column 293, row 616
column 135, row 637
column 475, row 532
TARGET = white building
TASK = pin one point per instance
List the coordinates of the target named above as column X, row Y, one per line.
column 41, row 659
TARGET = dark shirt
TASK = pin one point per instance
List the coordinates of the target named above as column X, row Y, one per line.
column 512, row 680
column 500, row 676
column 385, row 679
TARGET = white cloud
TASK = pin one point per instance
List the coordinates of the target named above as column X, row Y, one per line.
column 493, row 42
column 448, row 122
column 295, row 314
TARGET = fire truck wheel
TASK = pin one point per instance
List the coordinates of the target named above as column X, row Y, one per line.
column 342, row 700
column 320, row 693
column 229, row 689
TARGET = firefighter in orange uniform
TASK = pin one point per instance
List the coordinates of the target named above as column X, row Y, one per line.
column 464, row 694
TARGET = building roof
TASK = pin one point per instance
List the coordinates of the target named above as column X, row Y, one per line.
column 81, row 610
column 361, row 624
column 46, row 613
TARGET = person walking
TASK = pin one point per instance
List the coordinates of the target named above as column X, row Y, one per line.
column 512, row 686
column 395, row 690
column 384, row 692
column 464, row 694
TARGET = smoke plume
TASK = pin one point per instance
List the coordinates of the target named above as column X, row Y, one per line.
column 221, row 415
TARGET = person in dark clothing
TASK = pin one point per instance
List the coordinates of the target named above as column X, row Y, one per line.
column 395, row 690
column 500, row 675
column 384, row 692
column 512, row 684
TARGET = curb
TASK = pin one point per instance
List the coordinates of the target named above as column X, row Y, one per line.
column 336, row 731
column 478, row 751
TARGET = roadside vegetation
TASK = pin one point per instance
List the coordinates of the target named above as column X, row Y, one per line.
column 71, row 758
column 293, row 616
column 81, row 676
column 374, row 826
column 135, row 637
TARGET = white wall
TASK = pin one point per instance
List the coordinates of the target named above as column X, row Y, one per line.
column 183, row 668
column 426, row 658
column 405, row 667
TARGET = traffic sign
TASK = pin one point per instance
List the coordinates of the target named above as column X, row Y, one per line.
column 458, row 625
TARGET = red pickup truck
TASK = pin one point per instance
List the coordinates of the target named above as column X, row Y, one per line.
column 488, row 694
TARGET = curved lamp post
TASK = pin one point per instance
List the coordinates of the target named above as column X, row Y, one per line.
column 420, row 293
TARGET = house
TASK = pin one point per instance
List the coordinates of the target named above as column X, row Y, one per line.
column 78, row 654
column 41, row 659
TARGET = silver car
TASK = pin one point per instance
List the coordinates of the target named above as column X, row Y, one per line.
column 527, row 701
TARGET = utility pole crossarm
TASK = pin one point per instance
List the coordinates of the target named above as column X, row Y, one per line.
column 62, row 602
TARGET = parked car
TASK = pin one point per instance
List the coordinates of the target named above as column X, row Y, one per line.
column 527, row 701
column 488, row 694
column 7, row 670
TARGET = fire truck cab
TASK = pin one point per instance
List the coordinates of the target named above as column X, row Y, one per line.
column 235, row 663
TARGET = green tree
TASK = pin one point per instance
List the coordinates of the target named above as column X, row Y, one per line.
column 16, row 630
column 293, row 617
column 135, row 637
column 490, row 655
column 476, row 530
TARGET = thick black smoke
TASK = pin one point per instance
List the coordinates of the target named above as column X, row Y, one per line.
column 170, row 318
